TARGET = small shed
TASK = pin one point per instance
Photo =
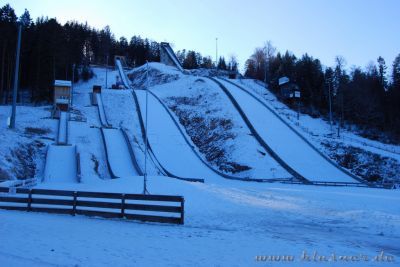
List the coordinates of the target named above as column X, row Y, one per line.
column 62, row 95
column 287, row 88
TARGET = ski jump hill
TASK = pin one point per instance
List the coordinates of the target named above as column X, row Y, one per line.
column 288, row 147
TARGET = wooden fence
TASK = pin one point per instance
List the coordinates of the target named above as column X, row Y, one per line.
column 152, row 208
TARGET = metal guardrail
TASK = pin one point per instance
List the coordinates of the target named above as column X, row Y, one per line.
column 99, row 204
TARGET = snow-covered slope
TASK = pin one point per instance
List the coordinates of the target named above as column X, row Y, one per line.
column 289, row 145
column 61, row 165
column 118, row 155
column 198, row 100
column 62, row 135
column 168, row 144
column 368, row 158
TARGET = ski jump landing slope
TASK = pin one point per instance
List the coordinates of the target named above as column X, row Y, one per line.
column 168, row 144
column 61, row 164
column 121, row 160
column 291, row 147
column 118, row 155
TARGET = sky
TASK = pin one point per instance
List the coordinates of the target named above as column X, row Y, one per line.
column 358, row 30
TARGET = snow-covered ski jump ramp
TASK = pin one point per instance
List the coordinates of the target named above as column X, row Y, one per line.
column 168, row 57
column 62, row 134
column 61, row 164
column 62, row 160
column 121, row 160
column 291, row 147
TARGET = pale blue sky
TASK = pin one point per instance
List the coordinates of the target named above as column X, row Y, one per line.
column 359, row 30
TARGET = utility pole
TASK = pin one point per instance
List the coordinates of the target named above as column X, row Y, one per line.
column 330, row 104
column 13, row 113
column 146, row 133
column 72, row 83
column 107, row 71
column 216, row 53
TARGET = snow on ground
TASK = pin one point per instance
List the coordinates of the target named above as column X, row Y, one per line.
column 202, row 99
column 226, row 224
column 318, row 131
column 23, row 149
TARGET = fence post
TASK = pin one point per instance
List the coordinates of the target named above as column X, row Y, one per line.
column 182, row 211
column 123, row 206
column 29, row 208
column 74, row 204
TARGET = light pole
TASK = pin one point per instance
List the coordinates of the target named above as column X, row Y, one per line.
column 330, row 104
column 146, row 133
column 13, row 112
column 72, row 83
column 106, row 70
column 216, row 53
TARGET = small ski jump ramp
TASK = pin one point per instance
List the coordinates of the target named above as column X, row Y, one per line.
column 119, row 157
column 102, row 114
column 61, row 164
column 62, row 135
column 121, row 160
column 285, row 141
column 168, row 57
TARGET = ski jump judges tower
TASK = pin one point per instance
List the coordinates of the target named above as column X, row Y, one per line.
column 168, row 57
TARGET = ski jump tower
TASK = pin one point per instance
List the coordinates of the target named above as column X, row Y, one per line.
column 168, row 57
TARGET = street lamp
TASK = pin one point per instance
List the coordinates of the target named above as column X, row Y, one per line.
column 330, row 104
column 107, row 70
column 216, row 53
column 146, row 133
column 14, row 111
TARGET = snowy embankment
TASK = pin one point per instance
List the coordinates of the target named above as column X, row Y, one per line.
column 366, row 158
column 227, row 224
column 23, row 149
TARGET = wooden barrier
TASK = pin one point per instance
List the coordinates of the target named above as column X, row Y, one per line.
column 108, row 205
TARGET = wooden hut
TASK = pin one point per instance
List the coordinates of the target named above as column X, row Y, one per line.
column 62, row 95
